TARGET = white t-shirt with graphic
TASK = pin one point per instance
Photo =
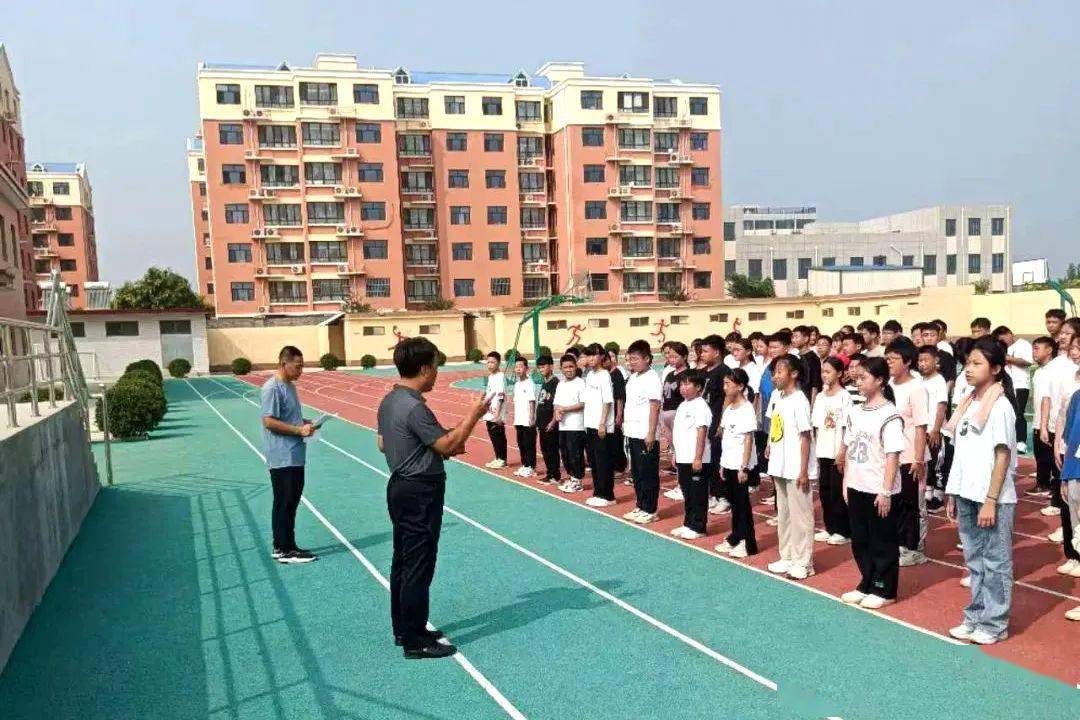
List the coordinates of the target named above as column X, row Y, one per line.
column 571, row 392
column 524, row 395
column 691, row 415
column 598, row 393
column 788, row 419
column 973, row 459
column 829, row 419
column 872, row 433
column 737, row 423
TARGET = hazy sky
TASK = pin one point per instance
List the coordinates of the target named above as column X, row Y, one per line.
column 861, row 108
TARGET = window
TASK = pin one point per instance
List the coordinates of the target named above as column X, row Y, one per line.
column 420, row 255
column 637, row 175
column 753, row 267
column 636, row 211
column 556, row 324
column 316, row 93
column 997, row 226
column 929, row 266
column 950, row 264
column 67, row 265
column 321, row 134
column 854, row 310
column 202, row 189
column 62, row 213
column 493, row 142
column 529, row 147
column 418, row 218
column 907, row 261
column 592, row 136
column 41, row 267
column 35, row 188
column 368, row 133
column 412, row 107
column 974, row 264
column 828, row 262
column 528, row 110
column 879, row 260
column 284, row 291
column 667, row 212
column 533, row 252
column 372, row 210
column 286, row 214
column 328, row 251
column 370, row 172
column 634, row 102
column 464, row 287
column 699, row 106
column 669, row 282
column 533, row 218
column 242, row 291
column 803, row 268
column 531, row 182
column 459, row 179
column 228, row 94
column 702, row 246
column 122, row 328
column 239, row 252
column 228, row 134
column 365, row 94
column 856, row 261
column 496, row 215
column 460, row 215
column 997, row 263
column 699, row 176
column 974, row 226
column 827, row 312
column 455, row 104
column 413, row 181
column 598, row 282
column 233, row 174
column 174, row 327
column 950, row 227
column 596, row 246
column 456, row 141
column 498, row 251
column 700, row 211
column 729, row 267
column 634, row 138
column 718, row 317
column 375, row 249
column 279, row 175
column 500, row 286
column 665, row 107
column 595, row 209
column 639, row 282
column 669, row 247
column 330, row 289
column 321, row 173
column 599, row 322
column 666, row 142
column 200, row 165
column 373, row 330
column 63, row 240
column 236, row 213
column 461, row 251
column 757, row 316
column 325, row 213
column 592, row 100
column 284, row 253
column 274, row 96
column 666, row 177
column 495, row 178
column 491, row 105
column 594, row 173
column 779, row 269
column 377, row 287
column 637, row 247
column 699, row 141
column 795, row 314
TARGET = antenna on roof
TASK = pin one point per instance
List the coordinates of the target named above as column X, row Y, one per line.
column 284, row 65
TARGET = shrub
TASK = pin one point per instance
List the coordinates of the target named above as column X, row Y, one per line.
column 440, row 358
column 981, row 287
column 43, row 394
column 741, row 286
column 611, row 346
column 136, row 405
column 144, row 374
column 676, row 295
column 475, row 355
column 241, row 366
column 545, row 350
column 148, row 365
column 330, row 361
column 179, row 368
column 439, row 304
column 368, row 361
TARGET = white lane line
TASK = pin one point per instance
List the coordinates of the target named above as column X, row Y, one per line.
column 640, row 614
column 464, row 662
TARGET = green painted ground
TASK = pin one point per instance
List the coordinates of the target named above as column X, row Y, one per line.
column 168, row 606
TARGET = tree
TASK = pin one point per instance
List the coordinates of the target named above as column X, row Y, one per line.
column 741, row 286
column 158, row 289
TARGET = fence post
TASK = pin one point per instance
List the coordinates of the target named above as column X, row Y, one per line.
column 105, row 429
column 28, row 352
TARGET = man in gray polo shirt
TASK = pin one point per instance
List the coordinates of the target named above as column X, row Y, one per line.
column 415, row 446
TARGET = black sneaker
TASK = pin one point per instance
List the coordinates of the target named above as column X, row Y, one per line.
column 431, row 651
column 431, row 635
column 276, row 553
column 296, row 557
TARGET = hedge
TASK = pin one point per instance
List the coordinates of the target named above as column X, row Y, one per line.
column 545, row 350
column 475, row 355
column 136, row 405
column 241, row 366
column 179, row 368
column 148, row 365
column 330, row 361
column 368, row 361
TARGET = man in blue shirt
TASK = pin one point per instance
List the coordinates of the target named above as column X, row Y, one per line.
column 284, row 430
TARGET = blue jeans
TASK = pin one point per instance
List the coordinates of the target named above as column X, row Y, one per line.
column 988, row 556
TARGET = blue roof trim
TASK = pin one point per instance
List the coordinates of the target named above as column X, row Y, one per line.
column 62, row 167
column 237, row 66
column 864, row 268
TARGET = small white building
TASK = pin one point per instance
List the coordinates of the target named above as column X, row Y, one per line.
column 109, row 340
column 1027, row 272
column 853, row 279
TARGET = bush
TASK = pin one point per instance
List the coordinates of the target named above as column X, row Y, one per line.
column 136, row 406
column 368, row 361
column 611, row 346
column 439, row 304
column 741, row 286
column 241, row 366
column 545, row 350
column 43, row 394
column 475, row 355
column 149, row 366
column 440, row 358
column 145, row 375
column 981, row 287
column 330, row 361
column 179, row 368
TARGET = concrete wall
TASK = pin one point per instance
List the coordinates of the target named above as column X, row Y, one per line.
column 112, row 354
column 48, row 481
column 376, row 334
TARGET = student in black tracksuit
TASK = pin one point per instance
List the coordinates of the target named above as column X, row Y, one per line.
column 713, row 348
column 546, row 425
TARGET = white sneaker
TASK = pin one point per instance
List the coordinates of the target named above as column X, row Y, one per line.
column 838, row 539
column 724, row 548
column 771, row 500
column 674, row 494
column 632, row 515
column 772, row 522
column 722, row 506
column 798, row 572
column 910, row 558
column 821, row 536
column 875, row 602
column 595, row 501
column 1068, row 567
column 1056, row 536
column 962, row 631
column 692, row 535
column 528, row 472
column 1073, row 614
column 739, row 551
column 520, row 472
column 644, row 518
column 713, row 502
column 965, row 581
column 780, row 567
column 981, row 637
column 678, row 532
column 1021, row 447
column 1050, row 511
column 853, row 597
column 495, row 464
column 572, row 485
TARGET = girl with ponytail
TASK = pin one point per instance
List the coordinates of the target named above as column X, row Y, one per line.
column 738, row 456
column 829, row 417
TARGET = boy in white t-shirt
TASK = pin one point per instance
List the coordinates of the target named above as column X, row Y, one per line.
column 569, row 414
column 525, row 418
column 1043, row 351
column 495, row 417
column 937, row 401
column 641, row 419
column 1018, row 361
column 913, row 407
column 599, row 400
column 693, row 457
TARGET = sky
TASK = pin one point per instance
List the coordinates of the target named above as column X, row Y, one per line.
column 860, row 108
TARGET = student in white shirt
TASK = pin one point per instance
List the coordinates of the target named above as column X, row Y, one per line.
column 569, row 413
column 982, row 494
column 738, row 456
column 871, row 333
column 937, row 400
column 525, row 418
column 1043, row 351
column 641, row 418
column 1018, row 360
column 693, row 459
column 1059, row 380
column 870, row 457
column 790, row 452
column 832, row 406
column 676, row 354
column 599, row 425
column 914, row 410
column 495, row 417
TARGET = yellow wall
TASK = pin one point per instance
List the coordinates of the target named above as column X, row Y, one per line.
column 261, row 345
column 450, row 337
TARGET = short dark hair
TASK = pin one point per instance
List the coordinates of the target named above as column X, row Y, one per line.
column 855, row 338
column 733, row 336
column 942, row 325
column 781, row 336
column 495, row 354
column 569, row 357
column 521, row 359
column 930, row 350
column 1045, row 340
column 745, row 345
column 905, row 349
column 412, row 355
column 573, row 350
column 802, row 330
column 999, row 331
column 1056, row 313
column 289, row 353
column 793, row 363
column 857, row 357
column 545, row 360
column 678, row 347
column 714, row 341
column 981, row 322
column 695, row 377
column 870, row 326
column 893, row 326
column 640, row 347
column 594, row 349
column 756, row 335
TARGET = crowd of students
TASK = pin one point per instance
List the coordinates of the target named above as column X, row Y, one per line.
column 889, row 426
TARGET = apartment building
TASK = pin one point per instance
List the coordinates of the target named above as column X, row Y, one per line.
column 953, row 244
column 17, row 290
column 310, row 186
column 62, row 227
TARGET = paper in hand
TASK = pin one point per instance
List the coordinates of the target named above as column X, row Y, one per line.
column 316, row 425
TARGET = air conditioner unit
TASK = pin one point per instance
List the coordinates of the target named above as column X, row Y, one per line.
column 257, row 233
column 247, row 113
column 298, row 269
column 424, row 123
column 610, row 118
column 251, row 154
column 353, row 191
column 261, row 310
column 350, row 151
column 260, row 272
column 343, row 268
column 207, row 242
column 341, row 229
column 613, row 226
column 355, row 230
column 339, row 189
column 270, row 231
column 331, row 110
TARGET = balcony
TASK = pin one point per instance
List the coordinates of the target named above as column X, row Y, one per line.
column 421, row 267
column 45, row 252
column 536, row 267
column 675, row 262
column 674, row 157
column 535, row 197
column 413, row 123
column 672, row 193
column 256, row 154
column 258, row 113
column 673, row 228
column 345, row 153
column 41, row 200
column 272, row 272
column 534, row 232
column 42, row 226
column 672, row 122
column 530, row 161
column 417, row 197
column 633, row 262
column 339, row 267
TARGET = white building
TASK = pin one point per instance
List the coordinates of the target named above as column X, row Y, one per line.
column 1025, row 272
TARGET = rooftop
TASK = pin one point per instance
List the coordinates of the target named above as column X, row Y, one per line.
column 54, row 167
column 864, row 268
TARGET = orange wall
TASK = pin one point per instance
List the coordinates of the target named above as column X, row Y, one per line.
column 49, row 254
column 15, row 220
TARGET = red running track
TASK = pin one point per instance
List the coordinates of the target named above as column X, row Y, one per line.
column 931, row 597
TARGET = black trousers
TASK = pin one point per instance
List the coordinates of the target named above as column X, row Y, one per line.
column 549, row 448
column 935, row 479
column 645, row 469
column 1046, row 471
column 695, row 490
column 416, row 510
column 831, row 490
column 618, row 451
column 761, row 440
column 526, row 442
column 1022, row 396
column 875, row 544
column 497, row 433
column 598, row 450
column 907, row 517
column 1067, row 521
column 946, row 462
column 572, row 445
column 716, row 477
column 288, row 487
column 742, row 513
